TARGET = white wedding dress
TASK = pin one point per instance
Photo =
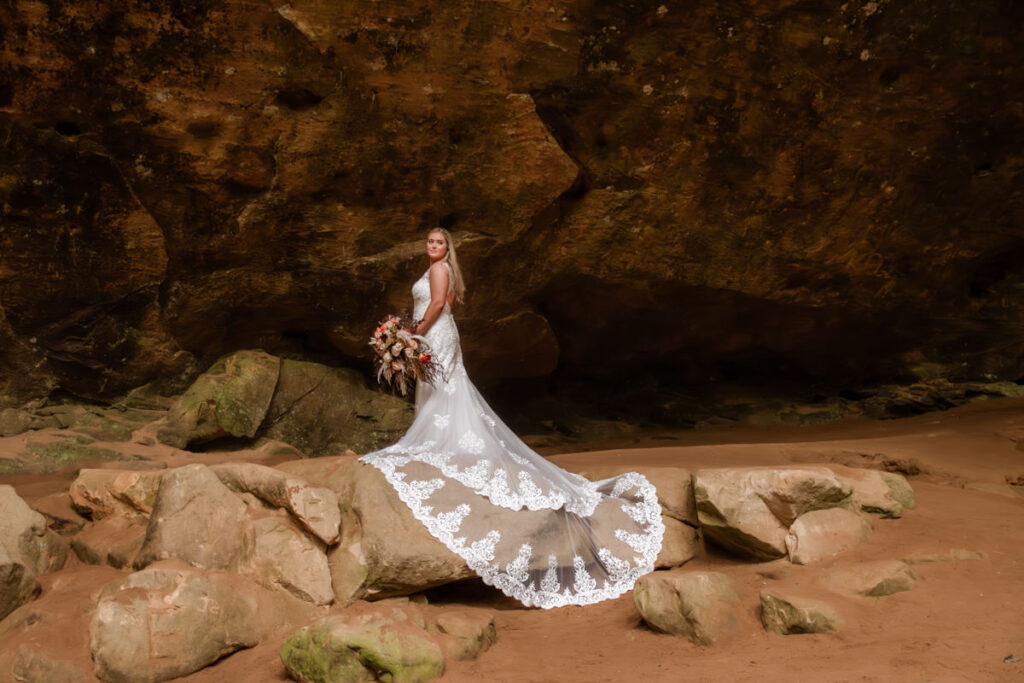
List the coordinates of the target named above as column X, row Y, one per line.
column 542, row 535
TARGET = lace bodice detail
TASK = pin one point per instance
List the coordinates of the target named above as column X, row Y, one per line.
column 421, row 296
column 540, row 534
column 443, row 335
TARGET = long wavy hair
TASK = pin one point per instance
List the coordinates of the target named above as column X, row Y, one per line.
column 458, row 284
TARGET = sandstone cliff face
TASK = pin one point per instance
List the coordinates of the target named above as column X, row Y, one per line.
column 824, row 193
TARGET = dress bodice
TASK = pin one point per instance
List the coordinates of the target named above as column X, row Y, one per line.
column 443, row 335
column 421, row 296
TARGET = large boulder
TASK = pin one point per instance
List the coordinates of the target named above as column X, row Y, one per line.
column 823, row 533
column 322, row 411
column 702, row 606
column 788, row 613
column 383, row 550
column 198, row 520
column 315, row 507
column 229, row 399
column 747, row 511
column 25, row 535
column 169, row 620
column 393, row 640
column 18, row 583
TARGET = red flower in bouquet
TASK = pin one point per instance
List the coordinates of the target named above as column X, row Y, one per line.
column 424, row 358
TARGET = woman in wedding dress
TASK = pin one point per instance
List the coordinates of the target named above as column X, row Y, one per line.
column 538, row 533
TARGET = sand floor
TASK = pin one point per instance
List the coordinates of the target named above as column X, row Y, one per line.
column 962, row 619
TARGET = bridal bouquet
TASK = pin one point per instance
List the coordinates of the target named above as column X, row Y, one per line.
column 402, row 357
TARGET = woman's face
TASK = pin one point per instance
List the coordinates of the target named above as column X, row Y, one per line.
column 437, row 246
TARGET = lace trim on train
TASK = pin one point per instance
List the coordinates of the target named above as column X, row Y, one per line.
column 485, row 480
column 514, row 579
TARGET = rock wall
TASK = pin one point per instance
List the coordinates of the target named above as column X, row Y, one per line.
column 761, row 190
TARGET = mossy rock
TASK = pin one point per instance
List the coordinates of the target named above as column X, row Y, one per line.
column 899, row 489
column 104, row 428
column 65, row 454
column 229, row 399
column 323, row 410
column 310, row 655
column 350, row 648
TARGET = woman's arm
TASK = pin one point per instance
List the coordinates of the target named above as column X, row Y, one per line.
column 438, row 294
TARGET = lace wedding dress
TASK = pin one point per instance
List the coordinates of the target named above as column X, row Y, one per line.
column 542, row 535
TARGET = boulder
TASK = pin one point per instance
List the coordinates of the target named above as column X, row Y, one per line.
column 384, row 642
column 680, row 544
column 747, row 510
column 872, row 579
column 100, row 493
column 874, row 491
column 323, row 410
column 229, row 399
column 315, row 507
column 196, row 519
column 286, row 558
column 384, row 550
column 18, row 583
column 701, row 606
column 788, row 614
column 113, row 541
column 25, row 535
column 464, row 633
column 169, row 620
column 822, row 533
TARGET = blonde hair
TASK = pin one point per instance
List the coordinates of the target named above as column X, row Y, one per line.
column 458, row 285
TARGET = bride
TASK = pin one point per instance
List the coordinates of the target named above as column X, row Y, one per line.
column 538, row 533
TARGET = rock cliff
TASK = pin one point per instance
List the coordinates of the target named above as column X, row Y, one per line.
column 826, row 194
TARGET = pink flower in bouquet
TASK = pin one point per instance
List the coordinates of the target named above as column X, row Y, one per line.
column 397, row 366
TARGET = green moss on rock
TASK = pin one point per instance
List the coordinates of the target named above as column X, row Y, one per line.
column 229, row 399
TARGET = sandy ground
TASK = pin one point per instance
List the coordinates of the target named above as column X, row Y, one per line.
column 961, row 621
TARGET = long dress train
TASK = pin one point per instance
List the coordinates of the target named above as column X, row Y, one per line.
column 538, row 533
